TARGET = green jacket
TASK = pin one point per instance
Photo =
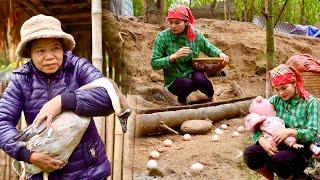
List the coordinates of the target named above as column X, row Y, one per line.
column 167, row 43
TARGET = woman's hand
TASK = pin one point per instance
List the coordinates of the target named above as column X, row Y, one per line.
column 225, row 58
column 269, row 147
column 45, row 162
column 48, row 111
column 280, row 135
column 184, row 51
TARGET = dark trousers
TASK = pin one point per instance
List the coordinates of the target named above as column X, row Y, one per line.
column 285, row 163
column 182, row 87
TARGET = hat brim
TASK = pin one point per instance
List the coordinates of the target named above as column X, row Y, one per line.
column 68, row 41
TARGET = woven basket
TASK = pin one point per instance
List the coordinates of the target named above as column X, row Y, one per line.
column 208, row 65
column 312, row 83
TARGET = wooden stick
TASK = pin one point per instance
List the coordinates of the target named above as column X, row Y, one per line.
column 163, row 125
column 194, row 106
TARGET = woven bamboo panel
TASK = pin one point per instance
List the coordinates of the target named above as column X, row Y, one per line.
column 312, row 83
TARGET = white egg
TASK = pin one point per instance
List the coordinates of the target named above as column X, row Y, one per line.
column 215, row 138
column 187, row 137
column 196, row 167
column 154, row 154
column 235, row 134
column 241, row 129
column 167, row 143
column 152, row 164
column 218, row 131
column 224, row 126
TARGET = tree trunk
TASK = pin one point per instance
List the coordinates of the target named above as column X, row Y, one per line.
column 161, row 4
column 302, row 18
column 270, row 41
column 153, row 11
column 151, row 123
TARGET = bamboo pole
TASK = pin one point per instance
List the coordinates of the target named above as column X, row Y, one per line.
column 110, row 140
column 118, row 147
column 96, row 15
column 96, row 12
column 150, row 123
column 2, row 164
column 269, row 41
column 128, row 150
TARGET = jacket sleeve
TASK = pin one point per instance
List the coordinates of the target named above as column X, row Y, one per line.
column 93, row 102
column 11, row 105
column 310, row 131
column 159, row 60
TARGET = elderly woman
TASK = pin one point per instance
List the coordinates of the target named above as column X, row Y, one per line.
column 173, row 50
column 300, row 113
column 46, row 86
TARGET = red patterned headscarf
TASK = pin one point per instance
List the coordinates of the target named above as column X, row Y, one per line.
column 184, row 13
column 284, row 74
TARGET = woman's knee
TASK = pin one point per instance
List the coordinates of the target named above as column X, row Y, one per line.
column 254, row 157
column 199, row 76
column 286, row 163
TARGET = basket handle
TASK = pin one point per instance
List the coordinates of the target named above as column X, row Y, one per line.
column 208, row 58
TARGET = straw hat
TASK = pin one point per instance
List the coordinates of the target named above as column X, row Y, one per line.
column 41, row 26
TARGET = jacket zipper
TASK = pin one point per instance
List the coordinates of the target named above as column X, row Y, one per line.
column 49, row 89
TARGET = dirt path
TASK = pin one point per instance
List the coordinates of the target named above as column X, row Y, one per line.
column 221, row 160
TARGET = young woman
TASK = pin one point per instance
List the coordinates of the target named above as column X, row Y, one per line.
column 300, row 113
column 174, row 49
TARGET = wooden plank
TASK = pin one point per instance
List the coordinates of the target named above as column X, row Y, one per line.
column 110, row 140
column 194, row 106
column 118, row 148
column 2, row 164
column 128, row 144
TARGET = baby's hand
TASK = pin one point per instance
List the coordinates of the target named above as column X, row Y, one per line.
column 297, row 146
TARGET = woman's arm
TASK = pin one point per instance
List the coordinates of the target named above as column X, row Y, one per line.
column 11, row 105
column 310, row 131
column 93, row 102
column 159, row 59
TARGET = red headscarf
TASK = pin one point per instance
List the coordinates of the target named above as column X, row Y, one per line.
column 184, row 13
column 284, row 74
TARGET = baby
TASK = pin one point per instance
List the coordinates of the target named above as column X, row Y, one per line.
column 263, row 116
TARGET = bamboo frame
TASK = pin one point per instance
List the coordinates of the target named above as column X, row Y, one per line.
column 118, row 147
column 110, row 140
column 128, row 144
column 96, row 15
column 97, row 51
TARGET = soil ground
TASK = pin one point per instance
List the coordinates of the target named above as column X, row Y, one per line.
column 221, row 160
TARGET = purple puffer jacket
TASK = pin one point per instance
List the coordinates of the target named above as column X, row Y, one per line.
column 29, row 89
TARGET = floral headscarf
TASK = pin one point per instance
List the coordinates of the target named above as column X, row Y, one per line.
column 184, row 13
column 284, row 74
